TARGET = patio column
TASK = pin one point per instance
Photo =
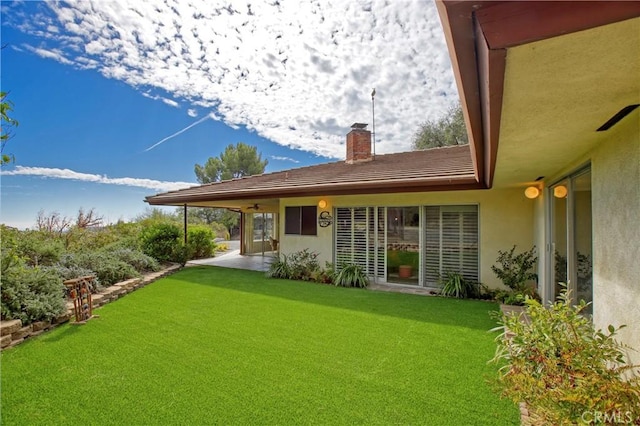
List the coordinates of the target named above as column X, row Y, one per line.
column 185, row 224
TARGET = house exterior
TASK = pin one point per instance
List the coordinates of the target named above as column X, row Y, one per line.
column 550, row 93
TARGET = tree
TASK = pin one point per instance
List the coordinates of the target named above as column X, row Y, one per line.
column 7, row 122
column 448, row 130
column 235, row 162
column 89, row 219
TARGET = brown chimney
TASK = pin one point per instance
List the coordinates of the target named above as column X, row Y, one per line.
column 358, row 144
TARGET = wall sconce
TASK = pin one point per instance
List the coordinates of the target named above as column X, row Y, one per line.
column 322, row 204
column 560, row 191
column 531, row 192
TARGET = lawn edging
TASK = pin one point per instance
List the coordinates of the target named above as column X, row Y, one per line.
column 12, row 332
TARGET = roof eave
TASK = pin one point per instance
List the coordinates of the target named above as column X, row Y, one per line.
column 478, row 34
column 454, row 183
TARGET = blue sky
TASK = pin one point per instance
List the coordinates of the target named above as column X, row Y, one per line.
column 118, row 100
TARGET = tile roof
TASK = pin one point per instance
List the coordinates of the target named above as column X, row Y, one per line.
column 447, row 168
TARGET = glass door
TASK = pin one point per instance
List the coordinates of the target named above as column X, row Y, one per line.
column 571, row 239
column 403, row 245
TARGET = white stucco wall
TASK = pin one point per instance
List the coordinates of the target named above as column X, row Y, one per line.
column 506, row 218
column 616, row 231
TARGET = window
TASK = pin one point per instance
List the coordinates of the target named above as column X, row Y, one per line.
column 451, row 242
column 356, row 236
column 300, row 220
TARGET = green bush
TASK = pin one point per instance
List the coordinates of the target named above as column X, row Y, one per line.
column 38, row 249
column 31, row 294
column 562, row 367
column 161, row 240
column 516, row 270
column 351, row 275
column 107, row 268
column 138, row 260
column 302, row 265
column 280, row 268
column 455, row 285
column 69, row 273
column 200, row 241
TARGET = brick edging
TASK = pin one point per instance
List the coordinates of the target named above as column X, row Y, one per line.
column 12, row 332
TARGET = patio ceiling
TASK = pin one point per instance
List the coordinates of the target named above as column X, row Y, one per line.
column 537, row 79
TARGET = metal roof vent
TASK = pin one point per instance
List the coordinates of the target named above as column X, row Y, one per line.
column 359, row 126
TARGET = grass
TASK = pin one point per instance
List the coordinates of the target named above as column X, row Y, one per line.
column 221, row 346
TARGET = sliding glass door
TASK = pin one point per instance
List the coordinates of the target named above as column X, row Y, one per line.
column 571, row 240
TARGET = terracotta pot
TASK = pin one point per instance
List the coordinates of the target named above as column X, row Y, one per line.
column 404, row 271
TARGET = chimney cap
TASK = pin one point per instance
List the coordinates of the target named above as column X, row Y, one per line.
column 359, row 126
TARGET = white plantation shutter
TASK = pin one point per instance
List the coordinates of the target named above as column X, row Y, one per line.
column 355, row 240
column 451, row 242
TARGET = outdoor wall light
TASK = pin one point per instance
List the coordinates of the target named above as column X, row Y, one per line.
column 560, row 191
column 322, row 204
column 531, row 192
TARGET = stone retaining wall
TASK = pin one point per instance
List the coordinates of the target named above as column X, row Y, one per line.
column 12, row 332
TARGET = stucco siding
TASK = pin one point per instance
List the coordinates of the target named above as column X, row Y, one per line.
column 616, row 231
column 505, row 217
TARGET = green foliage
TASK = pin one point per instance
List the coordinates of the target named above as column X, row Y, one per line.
column 395, row 258
column 235, row 162
column 38, row 249
column 302, row 265
column 455, row 285
column 448, row 130
column 561, row 366
column 200, row 241
column 108, row 268
column 138, row 260
column 160, row 240
column 510, row 297
column 280, row 268
column 6, row 123
column 516, row 270
column 31, row 294
column 351, row 275
column 74, row 271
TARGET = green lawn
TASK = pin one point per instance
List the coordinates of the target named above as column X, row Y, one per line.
column 221, row 346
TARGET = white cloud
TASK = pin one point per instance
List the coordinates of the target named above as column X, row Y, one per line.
column 54, row 173
column 298, row 73
column 280, row 158
column 192, row 112
column 170, row 102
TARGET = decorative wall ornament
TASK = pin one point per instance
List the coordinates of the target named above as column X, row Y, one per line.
column 325, row 219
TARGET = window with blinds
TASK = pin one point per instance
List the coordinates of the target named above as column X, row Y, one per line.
column 450, row 242
column 357, row 230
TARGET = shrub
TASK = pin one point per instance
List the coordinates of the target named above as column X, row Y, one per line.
column 280, row 268
column 39, row 249
column 516, row 270
column 562, row 367
column 304, row 264
column 455, row 285
column 160, row 241
column 200, row 242
column 351, row 275
column 69, row 273
column 31, row 294
column 138, row 260
column 108, row 269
